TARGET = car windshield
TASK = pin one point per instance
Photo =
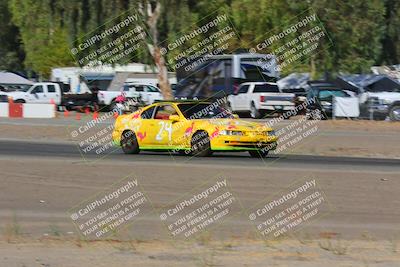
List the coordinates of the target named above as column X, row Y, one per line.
column 324, row 94
column 266, row 88
column 196, row 111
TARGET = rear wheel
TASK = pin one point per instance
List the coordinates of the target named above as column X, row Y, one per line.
column 129, row 143
column 395, row 113
column 259, row 153
column 254, row 112
column 201, row 146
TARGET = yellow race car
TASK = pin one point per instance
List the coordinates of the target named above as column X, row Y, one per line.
column 195, row 128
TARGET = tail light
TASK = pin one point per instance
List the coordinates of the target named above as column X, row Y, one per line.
column 262, row 98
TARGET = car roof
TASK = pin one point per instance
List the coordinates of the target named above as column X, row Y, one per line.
column 258, row 83
column 331, row 88
column 177, row 101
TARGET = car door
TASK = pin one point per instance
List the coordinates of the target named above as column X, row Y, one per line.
column 162, row 130
column 36, row 94
column 145, row 127
column 143, row 95
column 240, row 98
column 52, row 94
column 248, row 97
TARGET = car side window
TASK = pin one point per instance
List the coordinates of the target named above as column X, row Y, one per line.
column 148, row 113
column 163, row 112
column 37, row 89
column 139, row 88
column 244, row 89
column 151, row 89
column 310, row 94
column 51, row 88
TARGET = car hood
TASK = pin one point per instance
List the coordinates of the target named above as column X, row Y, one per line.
column 386, row 95
column 15, row 94
column 237, row 124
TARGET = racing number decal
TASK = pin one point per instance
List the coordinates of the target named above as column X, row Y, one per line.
column 164, row 126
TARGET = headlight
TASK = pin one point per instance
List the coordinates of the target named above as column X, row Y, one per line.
column 228, row 132
column 326, row 103
column 272, row 133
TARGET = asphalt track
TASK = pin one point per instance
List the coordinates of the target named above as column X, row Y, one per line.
column 70, row 150
column 40, row 182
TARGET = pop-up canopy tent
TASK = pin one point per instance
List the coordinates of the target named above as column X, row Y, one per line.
column 12, row 81
column 368, row 82
column 295, row 83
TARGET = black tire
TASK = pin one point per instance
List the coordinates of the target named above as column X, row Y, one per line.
column 394, row 113
column 129, row 143
column 254, row 112
column 258, row 153
column 379, row 117
column 201, row 146
column 19, row 101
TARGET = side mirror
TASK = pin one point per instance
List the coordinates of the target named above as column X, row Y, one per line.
column 174, row 118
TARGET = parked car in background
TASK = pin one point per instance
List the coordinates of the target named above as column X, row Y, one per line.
column 258, row 98
column 379, row 95
column 43, row 93
column 323, row 95
column 147, row 93
column 54, row 93
column 380, row 105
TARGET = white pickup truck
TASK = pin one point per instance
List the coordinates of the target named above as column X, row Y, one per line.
column 43, row 92
column 148, row 94
column 259, row 98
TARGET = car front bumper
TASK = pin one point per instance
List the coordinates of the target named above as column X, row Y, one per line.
column 381, row 108
column 243, row 143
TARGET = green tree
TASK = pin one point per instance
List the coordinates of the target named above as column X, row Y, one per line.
column 45, row 41
column 11, row 52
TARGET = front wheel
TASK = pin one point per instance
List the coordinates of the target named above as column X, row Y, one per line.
column 201, row 146
column 394, row 113
column 259, row 153
column 129, row 143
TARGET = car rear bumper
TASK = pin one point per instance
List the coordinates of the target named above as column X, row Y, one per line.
column 285, row 107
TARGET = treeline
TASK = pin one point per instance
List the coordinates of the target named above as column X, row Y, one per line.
column 37, row 35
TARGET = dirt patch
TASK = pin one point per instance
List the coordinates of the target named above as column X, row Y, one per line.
column 234, row 252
